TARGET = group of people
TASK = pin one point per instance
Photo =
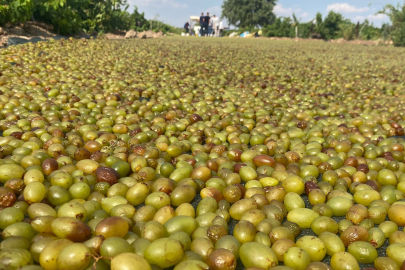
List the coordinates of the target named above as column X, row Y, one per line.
column 210, row 26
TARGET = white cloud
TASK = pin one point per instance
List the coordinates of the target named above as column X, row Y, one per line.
column 279, row 10
column 377, row 18
column 157, row 3
column 346, row 8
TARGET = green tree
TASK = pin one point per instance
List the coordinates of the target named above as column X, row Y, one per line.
column 331, row 25
column 304, row 29
column 385, row 31
column 316, row 26
column 12, row 11
column 348, row 30
column 370, row 32
column 70, row 16
column 282, row 27
column 105, row 15
column 318, row 18
column 397, row 18
column 249, row 13
column 138, row 20
column 64, row 15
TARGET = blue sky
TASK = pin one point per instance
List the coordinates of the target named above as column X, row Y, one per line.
column 177, row 12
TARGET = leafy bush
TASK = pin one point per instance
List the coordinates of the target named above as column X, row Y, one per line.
column 13, row 11
column 369, row 32
column 398, row 35
column 397, row 17
column 282, row 27
column 348, row 30
column 71, row 16
column 62, row 14
column 249, row 13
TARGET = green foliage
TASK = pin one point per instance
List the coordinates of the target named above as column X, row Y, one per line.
column 106, row 15
column 249, row 13
column 70, row 16
column 397, row 18
column 285, row 27
column 165, row 28
column 12, row 10
column 347, row 30
column 304, row 30
column 138, row 21
column 334, row 26
column 62, row 14
column 398, row 35
column 369, row 32
column 316, row 26
column 385, row 31
column 330, row 28
column 282, row 27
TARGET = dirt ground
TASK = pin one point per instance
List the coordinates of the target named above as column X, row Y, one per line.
column 132, row 34
column 26, row 30
column 30, row 30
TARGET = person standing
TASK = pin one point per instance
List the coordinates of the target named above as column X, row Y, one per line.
column 216, row 26
column 211, row 26
column 206, row 23
column 201, row 24
column 186, row 27
column 221, row 28
column 213, row 21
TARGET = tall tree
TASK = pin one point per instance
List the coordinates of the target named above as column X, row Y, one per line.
column 331, row 25
column 318, row 18
column 316, row 26
column 249, row 13
column 397, row 18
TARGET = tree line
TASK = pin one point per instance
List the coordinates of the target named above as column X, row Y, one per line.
column 253, row 14
column 71, row 16
column 333, row 26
